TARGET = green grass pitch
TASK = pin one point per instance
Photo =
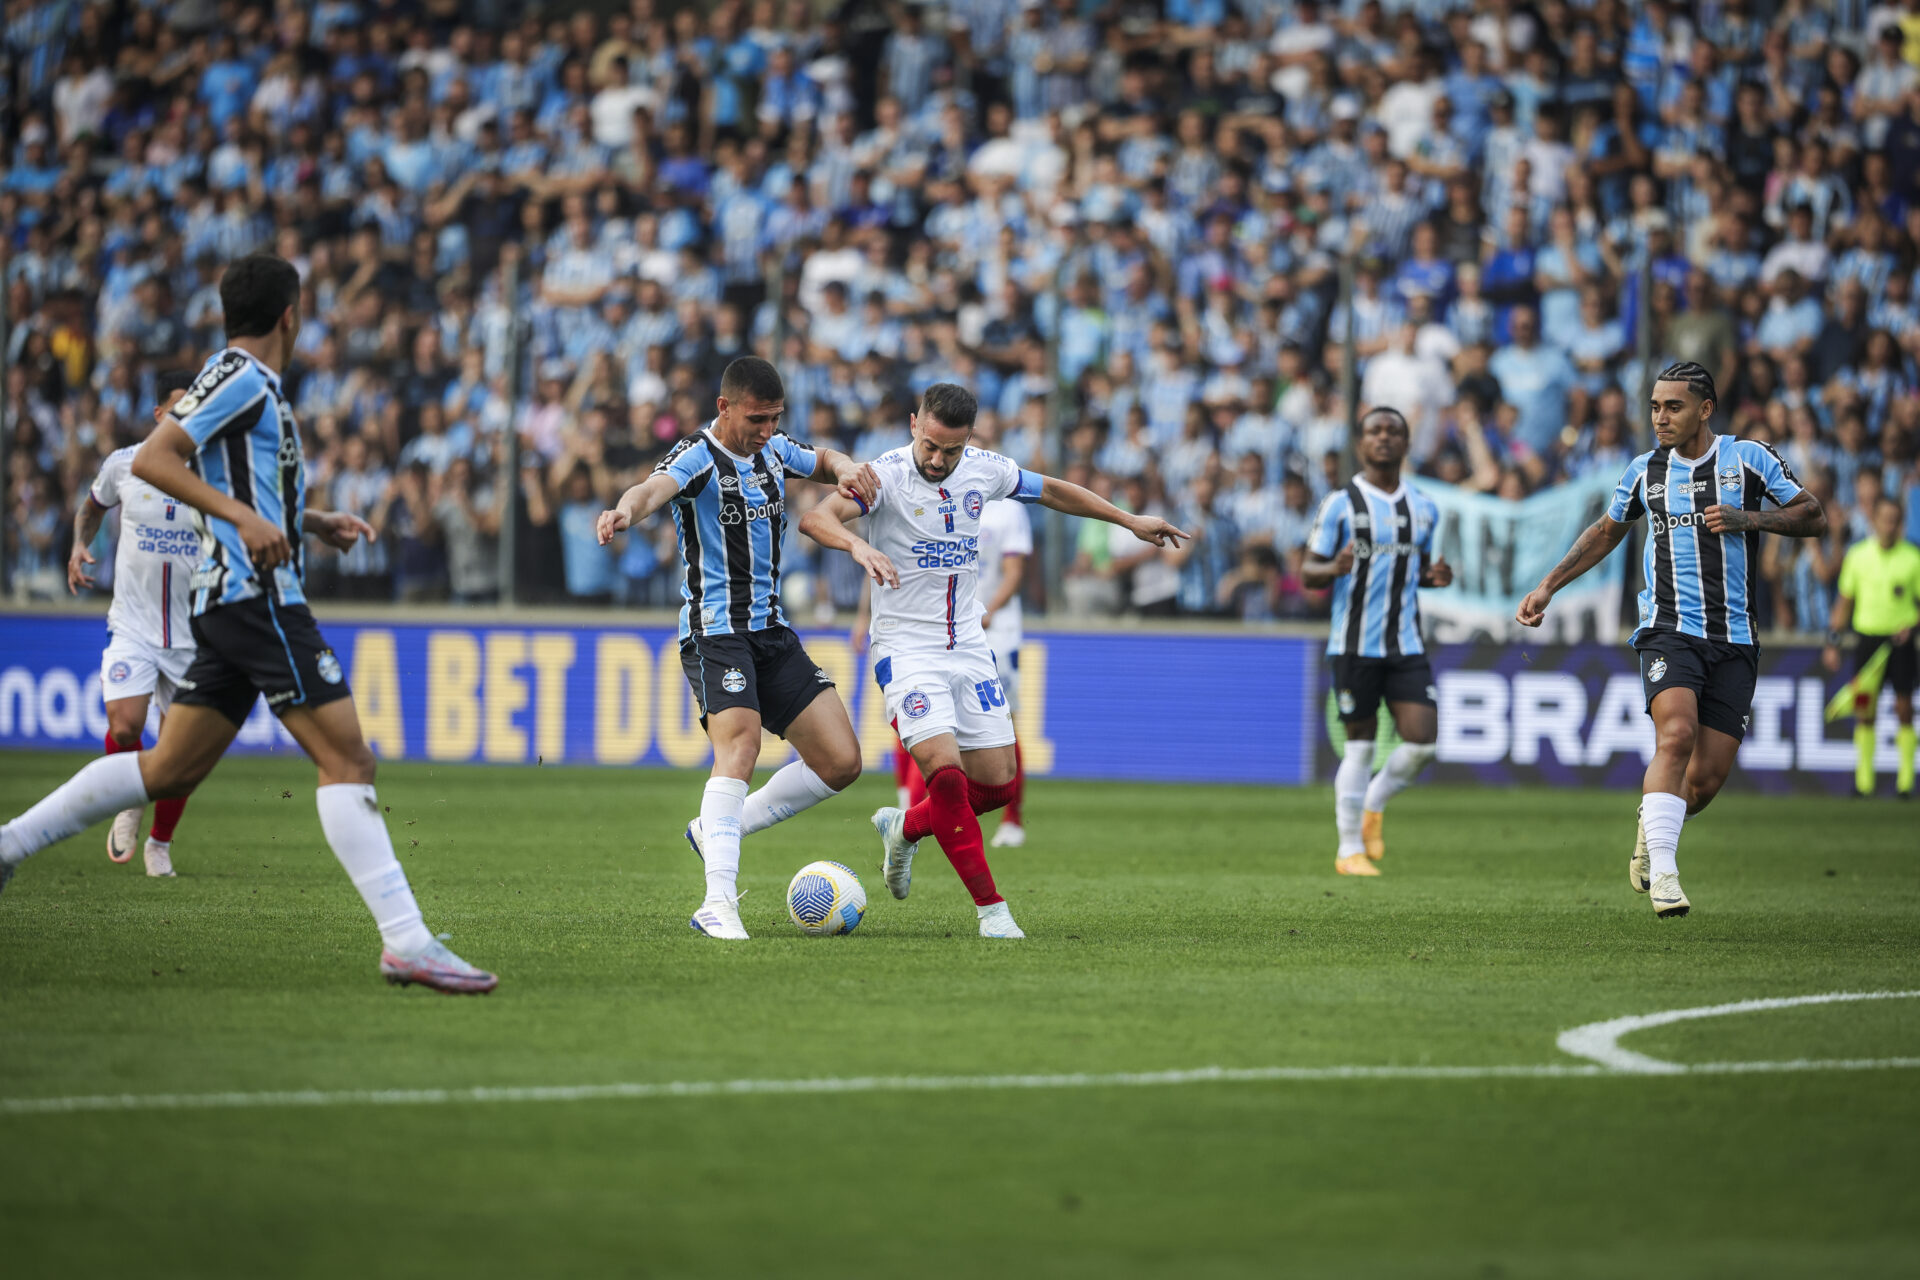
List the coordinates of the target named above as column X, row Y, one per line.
column 1171, row 928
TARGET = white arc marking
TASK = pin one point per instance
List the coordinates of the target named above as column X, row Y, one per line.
column 1599, row 1041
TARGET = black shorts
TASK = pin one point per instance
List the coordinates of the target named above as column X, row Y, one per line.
column 259, row 647
column 1903, row 665
column 766, row 670
column 1721, row 675
column 1360, row 684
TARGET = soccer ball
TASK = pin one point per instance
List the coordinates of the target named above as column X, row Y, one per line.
column 826, row 898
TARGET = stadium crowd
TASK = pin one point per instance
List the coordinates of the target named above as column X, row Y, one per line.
column 1123, row 222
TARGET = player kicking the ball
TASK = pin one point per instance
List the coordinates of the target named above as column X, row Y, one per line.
column 149, row 632
column 230, row 450
column 1383, row 531
column 930, row 654
column 728, row 489
column 1697, row 640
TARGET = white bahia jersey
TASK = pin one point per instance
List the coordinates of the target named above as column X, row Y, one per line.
column 154, row 560
column 932, row 534
column 1005, row 530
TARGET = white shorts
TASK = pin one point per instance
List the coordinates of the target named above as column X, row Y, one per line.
column 132, row 668
column 1006, row 656
column 960, row 693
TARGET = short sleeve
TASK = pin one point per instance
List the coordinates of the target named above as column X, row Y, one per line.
column 797, row 458
column 228, row 396
column 1329, row 527
column 1008, row 479
column 113, row 473
column 687, row 464
column 1626, row 506
column 1849, row 584
column 1782, row 485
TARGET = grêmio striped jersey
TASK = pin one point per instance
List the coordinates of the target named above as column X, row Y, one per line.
column 1376, row 606
column 731, row 513
column 248, row 449
column 1700, row 583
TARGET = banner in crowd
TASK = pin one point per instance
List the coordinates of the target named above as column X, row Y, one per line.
column 1576, row 716
column 1500, row 550
column 1215, row 708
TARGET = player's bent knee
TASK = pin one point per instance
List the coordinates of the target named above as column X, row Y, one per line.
column 840, row 772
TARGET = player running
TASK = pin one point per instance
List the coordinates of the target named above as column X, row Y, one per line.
column 149, row 632
column 230, row 450
column 1880, row 595
column 930, row 654
column 727, row 487
column 1383, row 532
column 1697, row 640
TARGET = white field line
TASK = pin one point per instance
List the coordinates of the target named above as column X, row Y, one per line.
column 1596, row 1041
column 1599, row 1041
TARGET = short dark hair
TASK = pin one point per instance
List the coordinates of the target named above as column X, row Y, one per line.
column 168, row 381
column 1405, row 429
column 750, row 377
column 1698, row 380
column 255, row 292
column 951, row 404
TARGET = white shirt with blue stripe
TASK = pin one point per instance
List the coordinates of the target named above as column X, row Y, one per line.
column 730, row 512
column 1376, row 604
column 1700, row 583
column 249, row 449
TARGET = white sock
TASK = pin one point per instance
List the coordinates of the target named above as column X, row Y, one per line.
column 102, row 789
column 720, row 809
column 1349, row 789
column 1402, row 767
column 787, row 792
column 1661, row 816
column 350, row 817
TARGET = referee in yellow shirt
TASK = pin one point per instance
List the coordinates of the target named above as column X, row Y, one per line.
column 1880, row 595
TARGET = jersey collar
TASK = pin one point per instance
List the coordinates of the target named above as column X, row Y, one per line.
column 1399, row 492
column 1674, row 455
column 713, row 438
column 259, row 364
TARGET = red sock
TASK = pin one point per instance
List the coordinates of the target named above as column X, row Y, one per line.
column 985, row 799
column 959, row 834
column 1019, row 788
column 166, row 813
column 114, row 748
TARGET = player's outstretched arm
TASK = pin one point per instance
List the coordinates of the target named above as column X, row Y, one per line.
column 826, row 524
column 1317, row 572
column 162, row 462
column 1595, row 543
column 636, row 504
column 1804, row 517
column 1071, row 499
column 847, row 476
column 86, row 523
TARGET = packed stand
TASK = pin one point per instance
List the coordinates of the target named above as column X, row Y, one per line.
column 1124, row 225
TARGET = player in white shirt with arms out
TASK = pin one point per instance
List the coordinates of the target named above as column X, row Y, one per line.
column 930, row 654
column 149, row 625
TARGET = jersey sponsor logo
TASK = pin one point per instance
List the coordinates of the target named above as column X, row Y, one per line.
column 285, row 695
column 1656, row 491
column 1366, row 549
column 1656, row 670
column 915, row 704
column 329, row 667
column 230, row 363
column 748, row 514
column 729, row 482
column 1669, row 523
column 988, row 691
column 118, row 673
column 734, row 681
column 941, row 553
column 975, row 502
column 820, row 676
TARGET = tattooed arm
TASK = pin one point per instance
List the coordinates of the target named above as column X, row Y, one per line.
column 1801, row 518
column 1595, row 543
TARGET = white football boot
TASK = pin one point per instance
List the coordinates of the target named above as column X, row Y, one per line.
column 159, row 857
column 996, row 921
column 436, row 967
column 1669, row 899
column 896, row 856
column 697, row 837
column 124, row 834
column 1011, row 835
column 1639, row 866
column 719, row 918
